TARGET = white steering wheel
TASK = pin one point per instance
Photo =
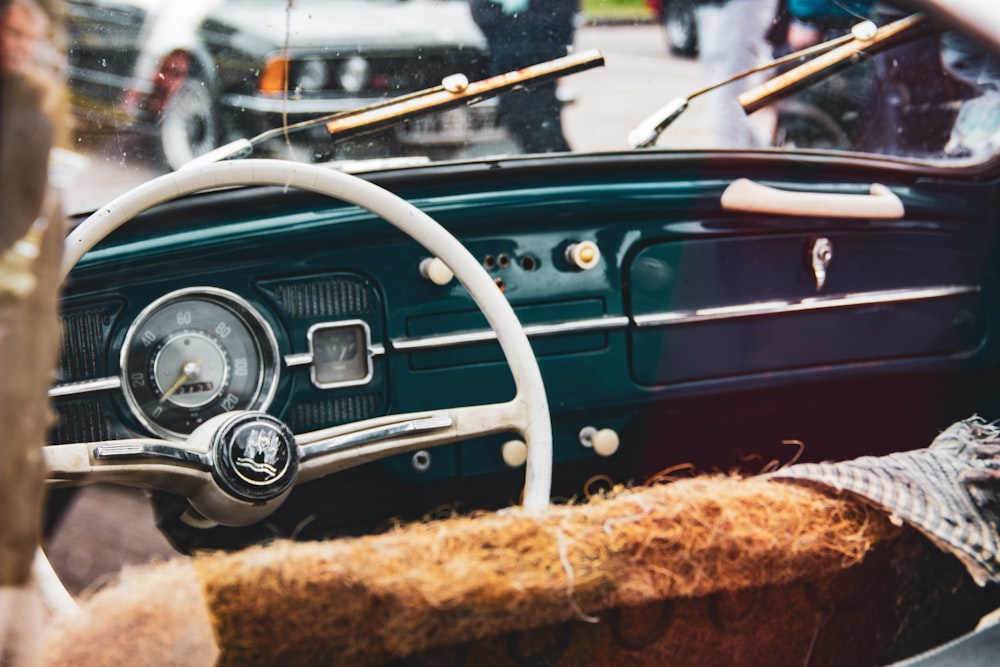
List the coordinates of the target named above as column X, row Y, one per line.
column 197, row 468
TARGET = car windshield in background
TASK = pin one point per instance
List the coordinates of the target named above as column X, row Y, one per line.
column 154, row 84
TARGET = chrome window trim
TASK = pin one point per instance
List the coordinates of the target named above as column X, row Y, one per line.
column 775, row 307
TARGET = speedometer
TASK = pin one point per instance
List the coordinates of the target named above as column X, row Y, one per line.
column 196, row 353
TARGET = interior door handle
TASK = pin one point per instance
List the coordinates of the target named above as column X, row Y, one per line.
column 746, row 195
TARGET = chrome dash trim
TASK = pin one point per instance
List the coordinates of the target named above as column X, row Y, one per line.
column 376, row 434
column 296, row 360
column 85, row 387
column 532, row 331
column 768, row 308
column 306, row 358
column 131, row 449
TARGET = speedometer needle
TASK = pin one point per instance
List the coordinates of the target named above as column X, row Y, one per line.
column 190, row 371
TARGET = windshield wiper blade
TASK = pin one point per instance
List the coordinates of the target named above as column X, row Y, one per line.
column 454, row 91
column 827, row 58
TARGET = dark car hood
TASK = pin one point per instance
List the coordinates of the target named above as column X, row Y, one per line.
column 346, row 24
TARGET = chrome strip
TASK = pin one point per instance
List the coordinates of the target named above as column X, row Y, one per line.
column 306, row 358
column 764, row 308
column 377, row 434
column 532, row 331
column 85, row 387
column 278, row 104
column 129, row 449
column 108, row 80
column 296, row 360
column 308, row 105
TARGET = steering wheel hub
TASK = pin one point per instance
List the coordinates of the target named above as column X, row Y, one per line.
column 254, row 457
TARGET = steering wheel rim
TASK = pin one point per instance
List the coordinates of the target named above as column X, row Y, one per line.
column 530, row 393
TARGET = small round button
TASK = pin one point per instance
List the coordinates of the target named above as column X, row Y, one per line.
column 515, row 453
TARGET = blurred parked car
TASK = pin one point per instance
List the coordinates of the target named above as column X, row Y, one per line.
column 195, row 75
column 677, row 18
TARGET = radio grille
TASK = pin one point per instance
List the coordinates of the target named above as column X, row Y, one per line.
column 334, row 411
column 334, row 296
column 80, row 421
column 84, row 338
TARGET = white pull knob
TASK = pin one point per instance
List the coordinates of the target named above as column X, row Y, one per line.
column 583, row 255
column 515, row 453
column 603, row 441
column 436, row 271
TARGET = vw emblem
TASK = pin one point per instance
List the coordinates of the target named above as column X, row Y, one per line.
column 255, row 456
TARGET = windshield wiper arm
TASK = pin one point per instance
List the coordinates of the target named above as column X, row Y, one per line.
column 433, row 100
column 827, row 58
column 455, row 90
column 825, row 65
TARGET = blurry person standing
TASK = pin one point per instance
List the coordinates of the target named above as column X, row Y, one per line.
column 522, row 33
column 731, row 40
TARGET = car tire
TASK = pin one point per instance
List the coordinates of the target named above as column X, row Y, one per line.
column 188, row 126
column 681, row 28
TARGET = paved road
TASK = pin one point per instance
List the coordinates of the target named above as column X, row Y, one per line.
column 638, row 78
column 107, row 527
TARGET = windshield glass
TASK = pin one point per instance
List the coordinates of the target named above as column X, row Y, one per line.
column 152, row 84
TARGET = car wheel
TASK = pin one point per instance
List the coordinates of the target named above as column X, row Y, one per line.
column 802, row 125
column 680, row 27
column 188, row 126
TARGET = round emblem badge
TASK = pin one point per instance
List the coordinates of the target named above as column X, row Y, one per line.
column 255, row 457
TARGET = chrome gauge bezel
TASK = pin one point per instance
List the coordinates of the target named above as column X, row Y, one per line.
column 257, row 336
column 363, row 354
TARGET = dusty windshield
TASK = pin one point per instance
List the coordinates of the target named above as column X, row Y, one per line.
column 153, row 84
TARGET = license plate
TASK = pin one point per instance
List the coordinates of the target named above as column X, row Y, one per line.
column 455, row 126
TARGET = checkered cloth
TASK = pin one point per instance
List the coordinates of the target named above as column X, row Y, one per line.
column 949, row 491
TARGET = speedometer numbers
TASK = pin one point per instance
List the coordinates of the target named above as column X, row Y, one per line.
column 194, row 354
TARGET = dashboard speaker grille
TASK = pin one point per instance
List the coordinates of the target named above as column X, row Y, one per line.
column 80, row 421
column 320, row 414
column 84, row 335
column 334, row 296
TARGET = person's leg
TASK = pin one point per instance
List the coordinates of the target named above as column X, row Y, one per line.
column 731, row 40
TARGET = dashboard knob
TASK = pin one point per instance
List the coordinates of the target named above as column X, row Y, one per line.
column 515, row 453
column 583, row 255
column 603, row 441
column 436, row 271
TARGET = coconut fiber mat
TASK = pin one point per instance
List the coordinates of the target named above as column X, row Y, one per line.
column 785, row 569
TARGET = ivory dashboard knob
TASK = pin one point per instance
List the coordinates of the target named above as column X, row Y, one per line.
column 605, row 442
column 515, row 453
column 436, row 271
column 584, row 255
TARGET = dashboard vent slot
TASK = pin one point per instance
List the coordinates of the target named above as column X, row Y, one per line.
column 84, row 335
column 320, row 414
column 80, row 421
column 334, row 296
